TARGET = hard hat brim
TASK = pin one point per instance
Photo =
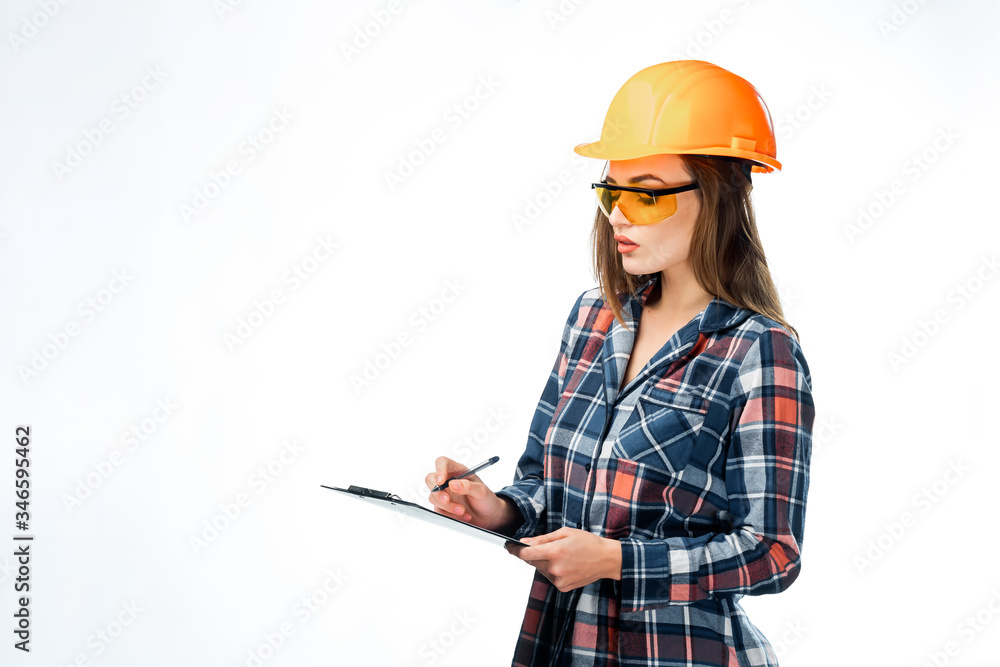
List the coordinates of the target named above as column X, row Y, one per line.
column 626, row 151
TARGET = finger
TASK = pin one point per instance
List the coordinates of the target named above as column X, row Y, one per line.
column 435, row 500
column 430, row 480
column 443, row 501
column 467, row 487
column 560, row 534
column 445, row 468
column 442, row 467
column 454, row 511
column 451, row 469
column 544, row 569
column 534, row 554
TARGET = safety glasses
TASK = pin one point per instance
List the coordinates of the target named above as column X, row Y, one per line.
column 640, row 205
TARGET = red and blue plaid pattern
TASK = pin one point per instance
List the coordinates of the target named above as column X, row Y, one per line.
column 705, row 487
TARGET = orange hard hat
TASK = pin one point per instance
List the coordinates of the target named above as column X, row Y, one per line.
column 687, row 106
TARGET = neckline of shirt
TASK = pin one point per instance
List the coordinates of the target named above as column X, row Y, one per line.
column 718, row 314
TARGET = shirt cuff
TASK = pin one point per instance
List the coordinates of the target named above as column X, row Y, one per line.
column 643, row 585
column 525, row 504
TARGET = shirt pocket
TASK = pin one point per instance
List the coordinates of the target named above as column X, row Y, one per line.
column 663, row 428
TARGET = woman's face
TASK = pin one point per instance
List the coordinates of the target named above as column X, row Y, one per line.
column 664, row 243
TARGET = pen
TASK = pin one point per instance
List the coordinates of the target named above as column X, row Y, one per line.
column 468, row 472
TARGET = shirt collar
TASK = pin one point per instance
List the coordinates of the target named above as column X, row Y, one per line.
column 717, row 316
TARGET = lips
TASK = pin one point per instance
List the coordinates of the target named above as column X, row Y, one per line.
column 624, row 239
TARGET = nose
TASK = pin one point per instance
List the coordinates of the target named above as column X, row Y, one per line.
column 618, row 220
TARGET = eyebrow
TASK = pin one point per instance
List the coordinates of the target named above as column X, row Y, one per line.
column 636, row 179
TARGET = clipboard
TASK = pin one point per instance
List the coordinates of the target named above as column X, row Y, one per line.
column 393, row 502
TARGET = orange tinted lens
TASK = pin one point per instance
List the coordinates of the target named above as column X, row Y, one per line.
column 642, row 209
column 607, row 199
column 638, row 207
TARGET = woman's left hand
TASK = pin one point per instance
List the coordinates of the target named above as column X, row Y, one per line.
column 571, row 558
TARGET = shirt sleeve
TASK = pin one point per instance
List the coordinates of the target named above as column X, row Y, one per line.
column 767, row 482
column 528, row 490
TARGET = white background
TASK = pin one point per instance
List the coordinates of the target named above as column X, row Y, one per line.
column 899, row 552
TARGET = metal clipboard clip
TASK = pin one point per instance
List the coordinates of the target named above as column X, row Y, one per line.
column 372, row 493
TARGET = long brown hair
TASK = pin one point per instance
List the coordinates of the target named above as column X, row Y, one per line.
column 726, row 253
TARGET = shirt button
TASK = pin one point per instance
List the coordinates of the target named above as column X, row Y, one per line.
column 587, row 467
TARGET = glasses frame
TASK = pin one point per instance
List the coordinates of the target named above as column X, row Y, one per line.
column 652, row 193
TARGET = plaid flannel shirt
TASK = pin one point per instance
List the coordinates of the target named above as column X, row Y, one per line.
column 705, row 487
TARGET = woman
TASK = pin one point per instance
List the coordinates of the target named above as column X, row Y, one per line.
column 667, row 466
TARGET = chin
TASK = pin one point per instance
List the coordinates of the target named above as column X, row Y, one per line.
column 635, row 264
column 635, row 270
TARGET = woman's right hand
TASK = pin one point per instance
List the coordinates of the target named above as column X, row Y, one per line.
column 468, row 499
